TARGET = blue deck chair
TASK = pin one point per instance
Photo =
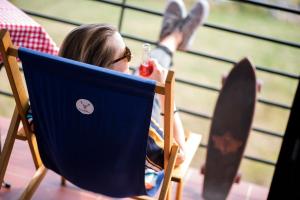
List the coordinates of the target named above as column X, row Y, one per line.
column 91, row 124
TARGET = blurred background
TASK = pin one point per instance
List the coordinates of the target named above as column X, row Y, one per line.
column 200, row 69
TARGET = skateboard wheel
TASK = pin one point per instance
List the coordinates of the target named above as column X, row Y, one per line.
column 5, row 185
column 224, row 77
column 202, row 170
column 259, row 84
column 237, row 178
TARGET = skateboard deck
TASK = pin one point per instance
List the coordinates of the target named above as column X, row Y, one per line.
column 229, row 130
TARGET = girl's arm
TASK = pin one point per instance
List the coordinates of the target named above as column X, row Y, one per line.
column 159, row 74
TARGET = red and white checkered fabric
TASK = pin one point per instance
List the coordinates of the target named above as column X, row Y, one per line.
column 24, row 31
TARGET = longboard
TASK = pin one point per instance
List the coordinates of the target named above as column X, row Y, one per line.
column 230, row 128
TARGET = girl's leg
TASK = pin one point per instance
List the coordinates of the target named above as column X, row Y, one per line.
column 163, row 53
column 177, row 33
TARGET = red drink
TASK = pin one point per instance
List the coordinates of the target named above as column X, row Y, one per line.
column 146, row 68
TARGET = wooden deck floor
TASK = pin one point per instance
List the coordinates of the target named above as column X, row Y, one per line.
column 21, row 169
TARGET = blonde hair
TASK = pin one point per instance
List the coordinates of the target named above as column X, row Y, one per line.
column 90, row 44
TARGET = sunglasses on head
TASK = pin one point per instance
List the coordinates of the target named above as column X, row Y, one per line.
column 127, row 55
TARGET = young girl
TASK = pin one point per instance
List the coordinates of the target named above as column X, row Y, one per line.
column 102, row 45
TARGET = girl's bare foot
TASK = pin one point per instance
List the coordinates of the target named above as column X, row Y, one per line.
column 172, row 41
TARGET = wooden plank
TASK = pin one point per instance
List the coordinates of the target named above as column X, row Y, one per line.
column 179, row 190
column 165, row 189
column 168, row 120
column 192, row 144
column 18, row 89
column 21, row 134
column 13, row 51
column 13, row 74
column 168, row 116
column 34, row 183
column 160, row 89
column 9, row 143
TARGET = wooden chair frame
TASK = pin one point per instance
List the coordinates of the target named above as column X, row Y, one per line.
column 9, row 55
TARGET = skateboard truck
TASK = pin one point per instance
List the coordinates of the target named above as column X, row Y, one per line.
column 5, row 185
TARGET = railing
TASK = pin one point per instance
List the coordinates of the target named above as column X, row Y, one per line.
column 265, row 69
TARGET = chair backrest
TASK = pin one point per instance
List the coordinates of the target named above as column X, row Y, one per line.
column 91, row 123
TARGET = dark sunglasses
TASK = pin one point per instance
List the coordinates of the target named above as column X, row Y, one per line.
column 127, row 55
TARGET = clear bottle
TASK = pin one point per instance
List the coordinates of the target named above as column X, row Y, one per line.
column 146, row 68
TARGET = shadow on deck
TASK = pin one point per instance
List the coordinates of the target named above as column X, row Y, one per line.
column 21, row 169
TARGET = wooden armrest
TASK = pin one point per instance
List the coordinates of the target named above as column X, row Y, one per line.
column 192, row 143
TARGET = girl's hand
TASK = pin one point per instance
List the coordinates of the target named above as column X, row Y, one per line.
column 159, row 73
column 180, row 157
